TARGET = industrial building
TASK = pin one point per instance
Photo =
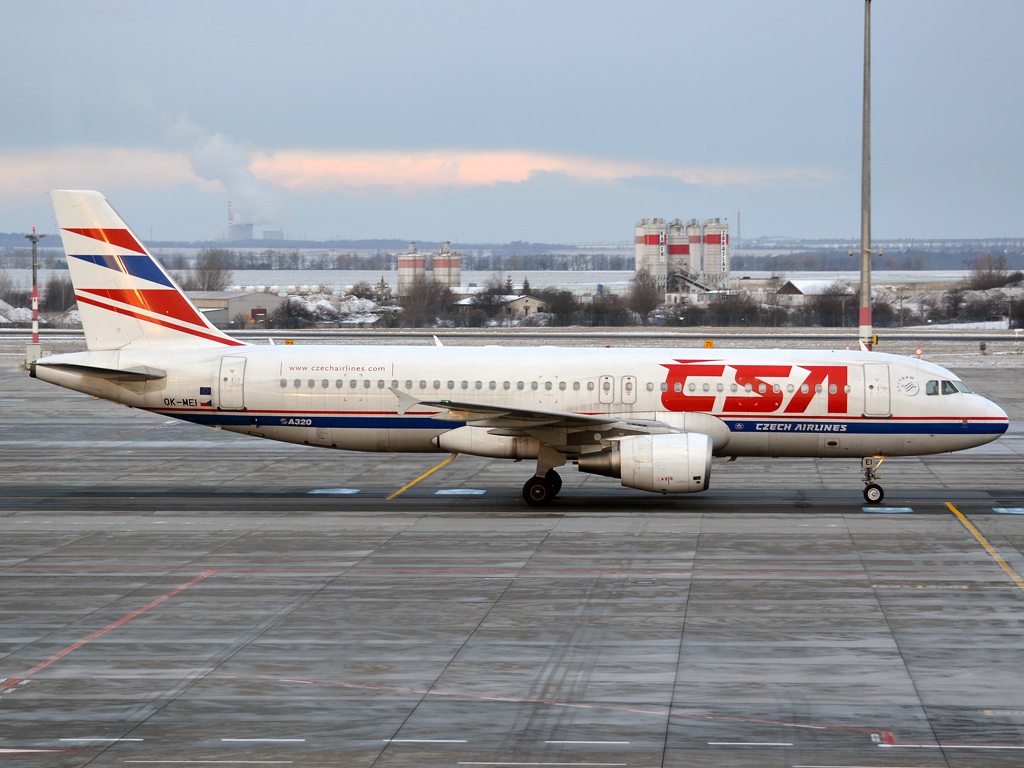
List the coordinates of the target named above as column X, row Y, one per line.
column 445, row 268
column 222, row 307
column 684, row 258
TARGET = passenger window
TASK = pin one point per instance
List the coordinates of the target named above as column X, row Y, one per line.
column 451, row 385
column 761, row 388
column 519, row 385
column 561, row 385
column 465, row 385
column 776, row 388
column 298, row 383
column 492, row 385
column 506, row 385
column 948, row 388
column 832, row 389
column 650, row 387
column 533, row 385
column 284, row 382
column 479, row 385
column 325, row 383
column 818, row 388
column 846, row 389
column 804, row 389
column 576, row 386
column 664, row 386
column 338, row 383
column 931, row 388
column 423, row 384
column 437, row 384
column 394, row 385
column 351, row 384
column 312, row 383
column 733, row 387
column 789, row 387
column 380, row 383
column 408, row 384
column 748, row 388
column 629, row 386
column 547, row 385
column 679, row 386
column 590, row 386
column 366, row 384
column 692, row 387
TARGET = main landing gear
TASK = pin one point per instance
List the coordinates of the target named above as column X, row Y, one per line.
column 539, row 491
column 873, row 493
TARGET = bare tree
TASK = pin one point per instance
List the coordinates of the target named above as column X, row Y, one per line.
column 426, row 302
column 212, row 271
column 645, row 295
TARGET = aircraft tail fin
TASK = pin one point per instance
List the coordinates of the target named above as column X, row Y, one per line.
column 127, row 300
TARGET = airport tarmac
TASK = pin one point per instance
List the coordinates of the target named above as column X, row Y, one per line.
column 176, row 595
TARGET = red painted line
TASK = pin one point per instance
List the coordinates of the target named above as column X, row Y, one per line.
column 209, row 336
column 115, row 625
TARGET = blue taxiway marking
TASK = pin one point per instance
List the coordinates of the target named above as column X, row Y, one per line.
column 460, row 492
column 336, row 491
column 1009, row 510
column 889, row 510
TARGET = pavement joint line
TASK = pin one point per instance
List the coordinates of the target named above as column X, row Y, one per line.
column 751, row 743
column 988, row 548
column 268, row 739
column 76, row 645
column 407, row 486
column 426, row 741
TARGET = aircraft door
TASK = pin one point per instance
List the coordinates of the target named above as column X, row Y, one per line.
column 629, row 390
column 876, row 389
column 232, row 384
column 606, row 389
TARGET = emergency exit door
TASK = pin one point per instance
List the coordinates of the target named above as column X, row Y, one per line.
column 232, row 383
column 876, row 389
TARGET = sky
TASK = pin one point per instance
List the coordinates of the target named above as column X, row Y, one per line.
column 492, row 122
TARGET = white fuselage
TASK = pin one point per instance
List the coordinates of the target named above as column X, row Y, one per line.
column 752, row 402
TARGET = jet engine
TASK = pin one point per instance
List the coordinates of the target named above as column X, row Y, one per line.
column 674, row 463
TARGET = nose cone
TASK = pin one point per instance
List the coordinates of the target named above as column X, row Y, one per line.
column 993, row 418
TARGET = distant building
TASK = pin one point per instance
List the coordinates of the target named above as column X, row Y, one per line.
column 446, row 268
column 513, row 307
column 222, row 307
column 794, row 293
column 684, row 258
column 273, row 234
column 240, row 232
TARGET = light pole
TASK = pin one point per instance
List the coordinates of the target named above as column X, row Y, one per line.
column 33, row 352
column 865, row 191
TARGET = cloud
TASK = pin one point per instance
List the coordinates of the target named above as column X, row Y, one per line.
column 218, row 157
column 315, row 172
column 27, row 174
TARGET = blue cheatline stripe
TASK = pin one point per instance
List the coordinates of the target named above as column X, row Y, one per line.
column 1009, row 510
column 242, row 419
column 137, row 265
column 460, row 492
column 334, row 491
column 869, row 427
column 889, row 510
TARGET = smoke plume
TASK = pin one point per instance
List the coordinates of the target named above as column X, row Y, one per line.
column 218, row 157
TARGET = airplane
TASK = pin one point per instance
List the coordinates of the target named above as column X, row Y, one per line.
column 653, row 418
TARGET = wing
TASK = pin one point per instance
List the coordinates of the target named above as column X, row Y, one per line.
column 566, row 432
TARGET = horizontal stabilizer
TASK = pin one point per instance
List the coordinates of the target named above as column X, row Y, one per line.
column 138, row 373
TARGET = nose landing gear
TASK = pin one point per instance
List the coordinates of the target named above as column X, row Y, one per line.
column 873, row 493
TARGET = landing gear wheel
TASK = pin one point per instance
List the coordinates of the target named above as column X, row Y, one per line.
column 555, row 479
column 539, row 491
column 874, row 494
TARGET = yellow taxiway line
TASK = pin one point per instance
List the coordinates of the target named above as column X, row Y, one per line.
column 404, row 488
column 988, row 547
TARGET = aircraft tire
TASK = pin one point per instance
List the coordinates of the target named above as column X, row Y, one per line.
column 538, row 491
column 873, row 493
column 555, row 479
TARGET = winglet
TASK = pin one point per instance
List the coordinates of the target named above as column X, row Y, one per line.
column 437, row 341
column 405, row 400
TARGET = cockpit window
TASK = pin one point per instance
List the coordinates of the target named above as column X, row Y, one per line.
column 931, row 388
column 948, row 388
column 962, row 387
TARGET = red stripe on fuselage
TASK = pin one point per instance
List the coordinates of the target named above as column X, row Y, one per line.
column 122, row 238
column 209, row 336
column 164, row 301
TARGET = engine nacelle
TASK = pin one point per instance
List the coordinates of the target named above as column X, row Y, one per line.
column 676, row 463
